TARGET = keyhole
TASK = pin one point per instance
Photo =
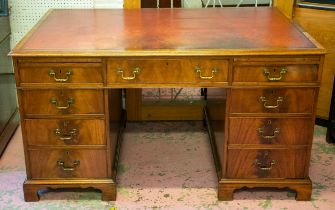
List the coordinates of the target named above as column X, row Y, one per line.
column 65, row 123
column 269, row 122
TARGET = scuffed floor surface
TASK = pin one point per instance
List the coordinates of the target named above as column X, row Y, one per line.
column 169, row 165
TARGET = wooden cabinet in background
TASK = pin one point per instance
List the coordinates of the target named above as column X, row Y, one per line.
column 321, row 25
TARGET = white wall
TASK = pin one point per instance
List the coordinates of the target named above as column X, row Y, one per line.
column 25, row 13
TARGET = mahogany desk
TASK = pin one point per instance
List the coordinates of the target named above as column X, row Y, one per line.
column 71, row 67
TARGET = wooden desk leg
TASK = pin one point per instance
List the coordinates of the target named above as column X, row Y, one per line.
column 304, row 192
column 225, row 192
column 31, row 187
column 30, row 192
column 303, row 187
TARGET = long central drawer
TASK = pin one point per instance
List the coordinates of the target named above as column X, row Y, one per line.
column 167, row 71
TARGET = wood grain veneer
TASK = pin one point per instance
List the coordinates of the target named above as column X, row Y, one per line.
column 289, row 163
column 38, row 102
column 44, row 163
column 79, row 73
column 293, row 74
column 166, row 71
column 246, row 131
column 43, row 132
column 295, row 100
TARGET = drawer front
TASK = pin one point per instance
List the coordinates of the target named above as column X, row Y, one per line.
column 258, row 163
column 167, row 71
column 60, row 163
column 271, row 131
column 60, row 73
column 280, row 100
column 275, row 73
column 60, row 102
column 65, row 132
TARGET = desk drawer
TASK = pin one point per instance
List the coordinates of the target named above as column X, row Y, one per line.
column 269, row 131
column 275, row 73
column 167, row 71
column 276, row 100
column 58, row 163
column 60, row 102
column 65, row 132
column 264, row 163
column 60, row 73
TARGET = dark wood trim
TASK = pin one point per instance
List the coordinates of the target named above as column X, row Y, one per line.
column 213, row 144
column 9, row 131
column 330, row 138
column 321, row 122
column 119, row 143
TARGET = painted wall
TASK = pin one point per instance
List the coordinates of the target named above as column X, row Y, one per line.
column 24, row 14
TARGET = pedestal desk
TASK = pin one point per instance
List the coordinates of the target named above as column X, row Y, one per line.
column 262, row 73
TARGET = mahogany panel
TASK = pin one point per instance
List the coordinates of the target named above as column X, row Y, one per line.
column 60, row 73
column 256, row 163
column 294, row 100
column 275, row 73
column 270, row 131
column 51, row 132
column 45, row 163
column 50, row 102
column 166, row 71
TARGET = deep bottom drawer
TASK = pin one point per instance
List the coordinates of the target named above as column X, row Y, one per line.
column 61, row 163
column 266, row 163
column 65, row 132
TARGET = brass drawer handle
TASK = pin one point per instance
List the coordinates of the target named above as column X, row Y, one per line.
column 276, row 132
column 263, row 100
column 199, row 70
column 53, row 74
column 66, row 136
column 61, row 163
column 263, row 167
column 267, row 73
column 69, row 102
column 136, row 70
